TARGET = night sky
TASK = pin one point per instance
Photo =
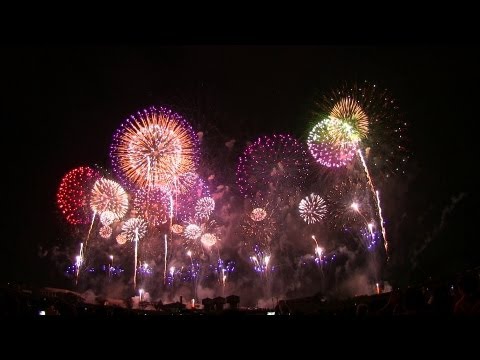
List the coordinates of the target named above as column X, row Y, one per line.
column 63, row 103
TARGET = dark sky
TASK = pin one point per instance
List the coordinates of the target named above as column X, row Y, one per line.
column 62, row 104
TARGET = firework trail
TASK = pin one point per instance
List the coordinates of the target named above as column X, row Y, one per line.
column 165, row 260
column 79, row 262
column 377, row 199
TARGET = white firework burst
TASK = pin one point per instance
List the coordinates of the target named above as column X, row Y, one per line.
column 312, row 208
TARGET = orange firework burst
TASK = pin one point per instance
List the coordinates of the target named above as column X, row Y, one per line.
column 154, row 148
column 348, row 110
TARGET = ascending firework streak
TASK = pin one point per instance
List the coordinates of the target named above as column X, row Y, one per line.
column 165, row 268
column 136, row 260
column 90, row 230
column 79, row 262
column 377, row 199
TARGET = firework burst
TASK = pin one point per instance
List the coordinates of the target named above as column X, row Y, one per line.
column 107, row 218
column 121, row 238
column 153, row 205
column 312, row 208
column 271, row 162
column 153, row 148
column 208, row 240
column 107, row 195
column 204, row 207
column 105, row 232
column 74, row 193
column 258, row 214
column 333, row 142
column 386, row 140
column 348, row 110
column 192, row 232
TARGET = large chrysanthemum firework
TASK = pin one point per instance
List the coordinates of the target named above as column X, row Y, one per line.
column 270, row 162
column 258, row 214
column 134, row 229
column 333, row 142
column 204, row 207
column 153, row 205
column 153, row 148
column 107, row 195
column 74, row 193
column 312, row 208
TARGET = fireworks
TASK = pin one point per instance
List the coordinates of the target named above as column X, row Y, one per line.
column 181, row 184
column 134, row 229
column 340, row 199
column 312, row 208
column 348, row 110
column 208, row 240
column 107, row 195
column 261, row 260
column 262, row 231
column 177, row 229
column 107, row 218
column 204, row 207
column 333, row 142
column 74, row 192
column 386, row 137
column 105, row 232
column 121, row 238
column 270, row 162
column 258, row 214
column 152, row 204
column 154, row 148
column 192, row 231
column 185, row 202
